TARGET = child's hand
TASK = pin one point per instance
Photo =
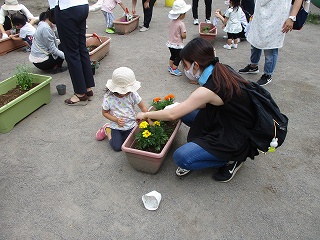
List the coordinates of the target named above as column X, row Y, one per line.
column 120, row 122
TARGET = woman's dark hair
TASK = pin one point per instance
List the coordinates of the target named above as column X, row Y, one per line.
column 235, row 4
column 224, row 78
column 18, row 19
column 49, row 14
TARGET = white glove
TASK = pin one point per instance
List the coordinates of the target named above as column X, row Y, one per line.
column 4, row 35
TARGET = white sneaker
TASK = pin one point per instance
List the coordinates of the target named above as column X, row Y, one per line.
column 208, row 21
column 225, row 37
column 226, row 46
column 234, row 45
column 195, row 21
column 143, row 29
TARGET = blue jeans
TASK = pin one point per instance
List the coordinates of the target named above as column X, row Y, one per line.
column 193, row 157
column 117, row 138
column 271, row 58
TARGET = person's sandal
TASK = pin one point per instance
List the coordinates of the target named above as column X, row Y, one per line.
column 82, row 101
column 181, row 171
column 90, row 95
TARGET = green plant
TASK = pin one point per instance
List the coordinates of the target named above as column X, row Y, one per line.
column 95, row 64
column 24, row 77
column 313, row 18
column 160, row 104
column 152, row 137
column 206, row 29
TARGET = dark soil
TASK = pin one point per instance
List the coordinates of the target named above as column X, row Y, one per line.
column 12, row 94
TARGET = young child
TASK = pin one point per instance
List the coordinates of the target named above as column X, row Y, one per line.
column 26, row 30
column 118, row 106
column 177, row 32
column 231, row 23
column 106, row 7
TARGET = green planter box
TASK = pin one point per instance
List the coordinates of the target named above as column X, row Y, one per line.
column 21, row 107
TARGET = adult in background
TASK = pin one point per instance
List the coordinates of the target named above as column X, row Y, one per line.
column 215, row 112
column 271, row 20
column 147, row 12
column 208, row 7
column 70, row 18
column 7, row 9
column 45, row 53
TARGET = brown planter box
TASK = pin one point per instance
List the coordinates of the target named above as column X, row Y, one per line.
column 144, row 161
column 123, row 27
column 207, row 36
column 101, row 51
column 8, row 45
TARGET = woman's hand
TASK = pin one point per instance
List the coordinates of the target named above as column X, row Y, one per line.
column 287, row 26
column 140, row 116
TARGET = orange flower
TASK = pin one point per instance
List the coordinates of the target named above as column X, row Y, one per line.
column 169, row 96
column 157, row 99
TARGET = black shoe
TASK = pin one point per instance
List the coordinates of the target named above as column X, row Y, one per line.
column 249, row 69
column 264, row 80
column 59, row 69
column 227, row 172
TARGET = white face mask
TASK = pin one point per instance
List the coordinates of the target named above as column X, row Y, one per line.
column 190, row 75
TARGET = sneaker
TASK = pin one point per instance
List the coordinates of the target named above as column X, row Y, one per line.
column 235, row 46
column 249, row 69
column 181, row 171
column 175, row 72
column 227, row 172
column 143, row 29
column 59, row 69
column 207, row 21
column 226, row 46
column 27, row 49
column 102, row 132
column 225, row 37
column 169, row 69
column 264, row 80
column 195, row 21
column 110, row 30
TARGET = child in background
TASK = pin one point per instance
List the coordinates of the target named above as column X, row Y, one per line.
column 118, row 106
column 26, row 30
column 177, row 32
column 106, row 8
column 231, row 23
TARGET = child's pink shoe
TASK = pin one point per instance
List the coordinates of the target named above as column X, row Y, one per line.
column 101, row 133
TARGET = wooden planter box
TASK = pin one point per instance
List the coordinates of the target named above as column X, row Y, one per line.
column 144, row 161
column 8, row 45
column 123, row 27
column 102, row 49
column 21, row 107
column 207, row 36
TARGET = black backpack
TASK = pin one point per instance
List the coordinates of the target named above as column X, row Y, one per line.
column 271, row 125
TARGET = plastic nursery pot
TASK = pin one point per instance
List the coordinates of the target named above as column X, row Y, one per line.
column 61, row 88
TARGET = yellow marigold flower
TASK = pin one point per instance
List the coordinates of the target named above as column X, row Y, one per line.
column 146, row 133
column 156, row 123
column 157, row 99
column 143, row 124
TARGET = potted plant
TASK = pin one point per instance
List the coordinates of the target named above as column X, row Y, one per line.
column 148, row 144
column 207, row 31
column 94, row 65
column 20, row 95
column 123, row 26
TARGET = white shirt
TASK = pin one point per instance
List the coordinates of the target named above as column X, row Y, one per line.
column 266, row 26
column 27, row 30
column 64, row 4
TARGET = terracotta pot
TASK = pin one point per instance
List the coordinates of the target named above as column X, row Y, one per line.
column 22, row 106
column 144, row 161
column 8, row 45
column 123, row 27
column 102, row 49
column 207, row 36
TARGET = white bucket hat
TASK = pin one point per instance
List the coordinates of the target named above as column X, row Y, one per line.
column 123, row 81
column 12, row 5
column 179, row 7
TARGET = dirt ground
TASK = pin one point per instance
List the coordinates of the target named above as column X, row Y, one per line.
column 58, row 182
